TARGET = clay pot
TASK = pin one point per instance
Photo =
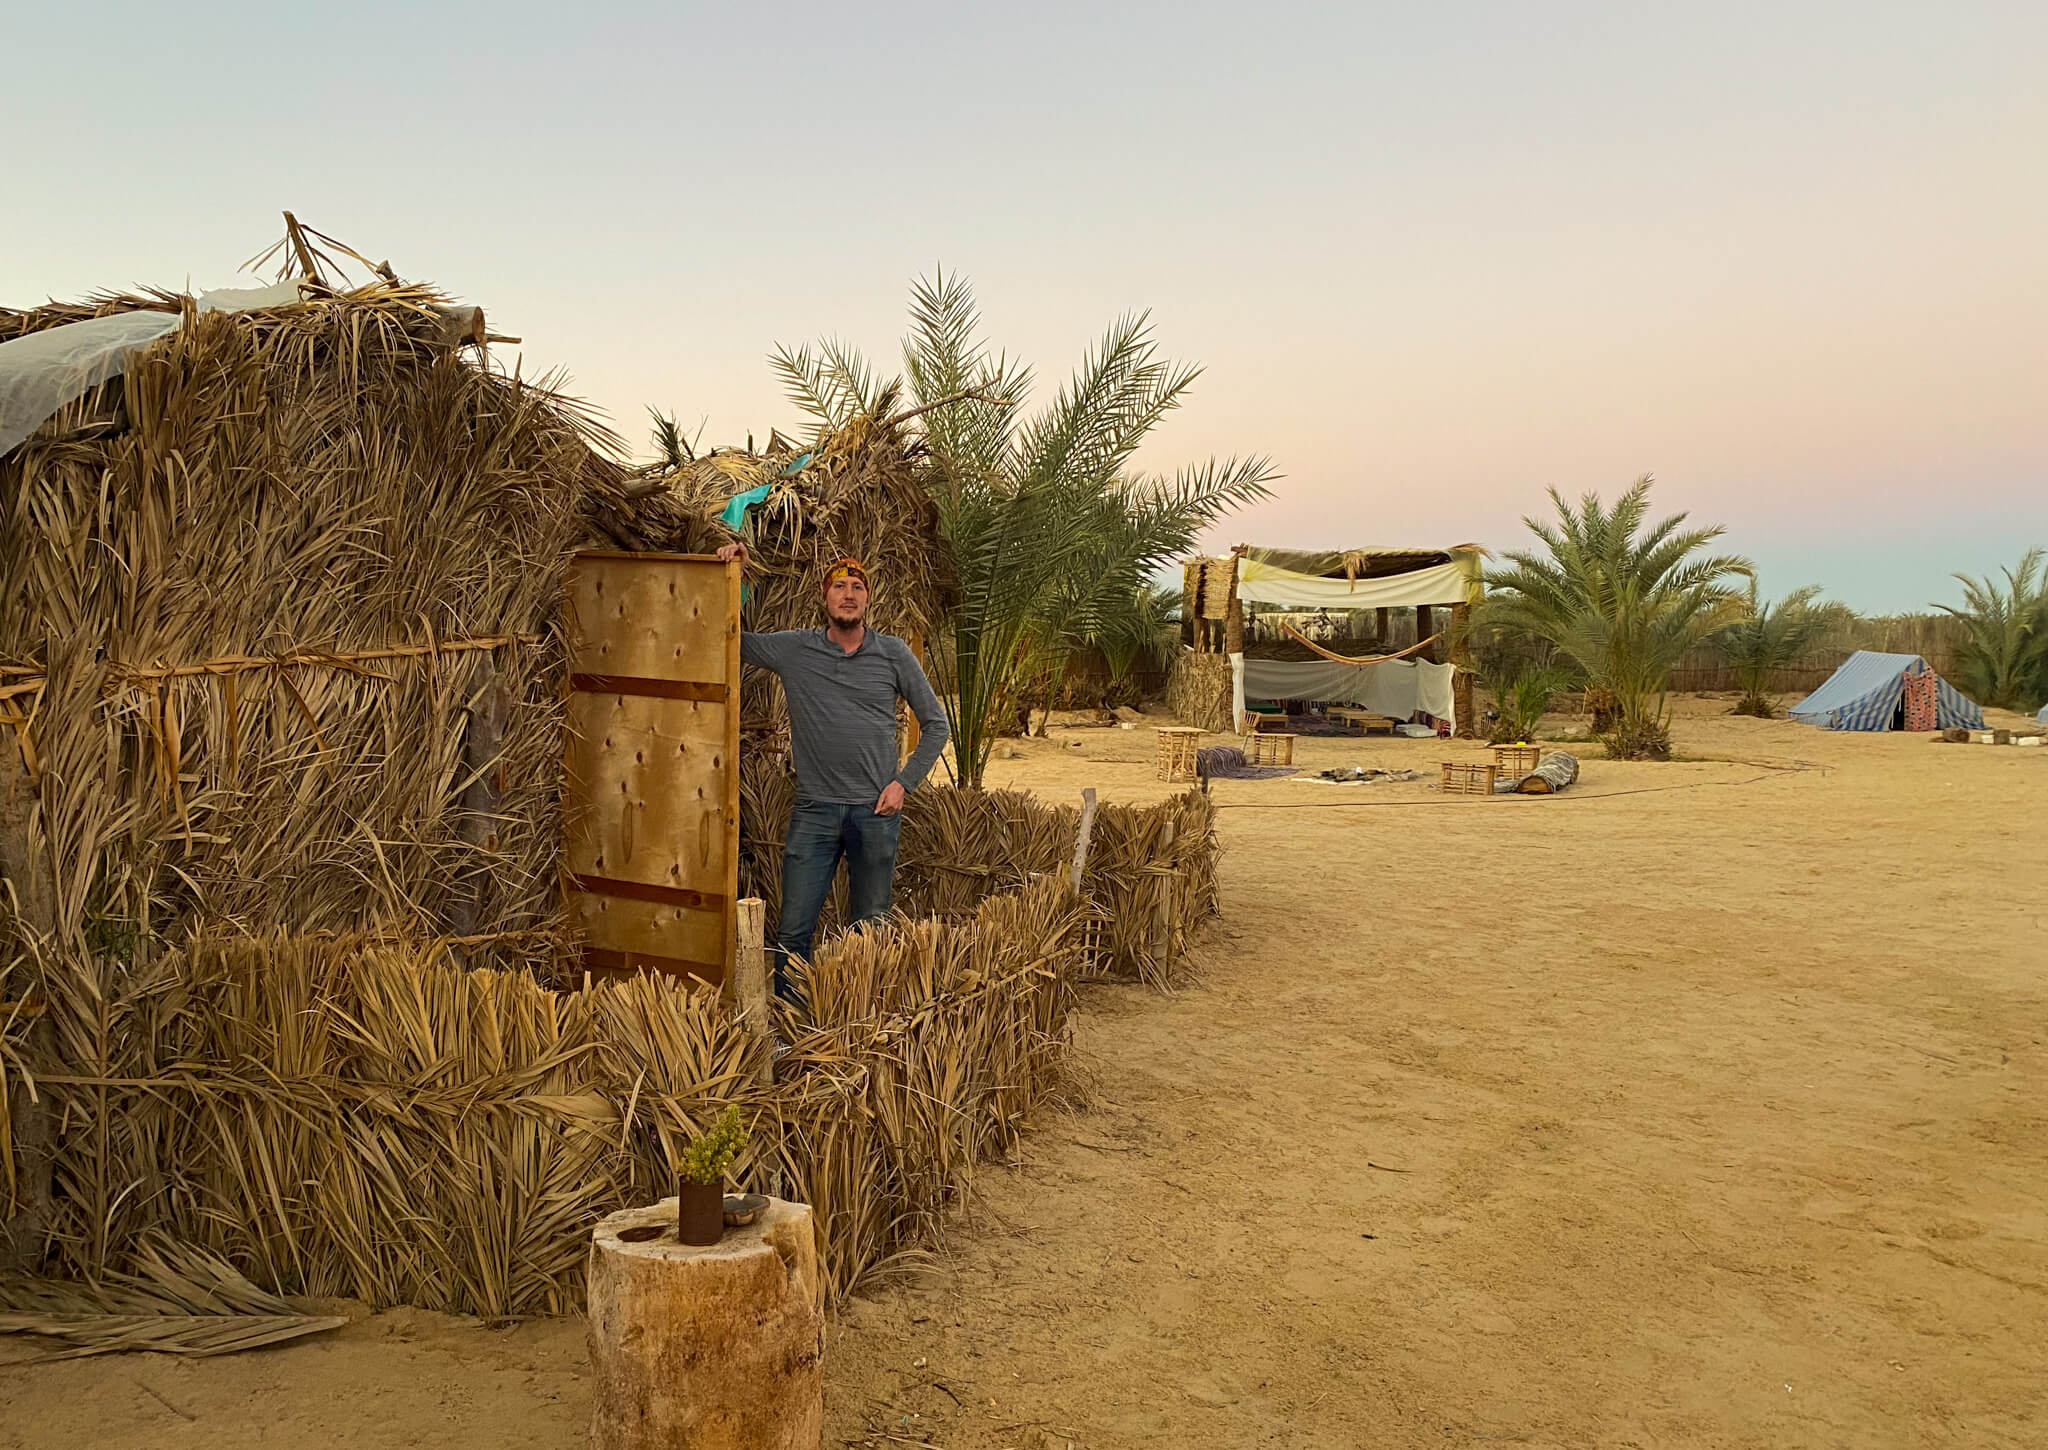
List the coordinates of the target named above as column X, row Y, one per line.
column 700, row 1213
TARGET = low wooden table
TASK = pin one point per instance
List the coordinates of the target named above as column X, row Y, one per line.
column 1261, row 722
column 1274, row 749
column 1366, row 720
column 1177, row 747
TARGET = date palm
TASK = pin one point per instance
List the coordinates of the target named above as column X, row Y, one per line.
column 2005, row 661
column 1767, row 638
column 1620, row 597
column 1051, row 529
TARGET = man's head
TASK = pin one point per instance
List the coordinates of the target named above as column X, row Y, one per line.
column 846, row 593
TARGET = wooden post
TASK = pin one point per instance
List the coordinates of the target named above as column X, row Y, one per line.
column 1081, row 837
column 750, row 980
column 1162, row 904
column 913, row 732
column 1422, row 632
column 1383, row 627
column 483, row 741
column 1461, row 661
column 1233, row 612
column 25, row 867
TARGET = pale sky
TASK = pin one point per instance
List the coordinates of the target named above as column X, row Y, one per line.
column 1791, row 258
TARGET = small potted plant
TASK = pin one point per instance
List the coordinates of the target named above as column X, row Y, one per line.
column 700, row 1179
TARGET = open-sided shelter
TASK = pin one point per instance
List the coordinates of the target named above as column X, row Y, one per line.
column 1215, row 676
column 1875, row 691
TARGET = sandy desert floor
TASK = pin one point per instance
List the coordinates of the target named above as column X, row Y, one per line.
column 1704, row 1105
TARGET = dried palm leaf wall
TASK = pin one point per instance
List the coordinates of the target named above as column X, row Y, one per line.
column 1147, row 868
column 340, row 1114
column 265, row 585
column 277, row 614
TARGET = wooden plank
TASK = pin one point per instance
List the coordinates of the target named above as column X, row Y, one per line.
column 602, row 962
column 651, row 799
column 733, row 598
column 645, row 928
column 642, row 891
column 701, row 690
column 649, row 617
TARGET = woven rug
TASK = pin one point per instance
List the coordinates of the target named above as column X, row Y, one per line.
column 1227, row 762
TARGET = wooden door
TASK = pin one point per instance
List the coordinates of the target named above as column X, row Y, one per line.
column 651, row 824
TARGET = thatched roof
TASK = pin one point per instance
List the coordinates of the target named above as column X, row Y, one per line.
column 853, row 493
column 250, row 592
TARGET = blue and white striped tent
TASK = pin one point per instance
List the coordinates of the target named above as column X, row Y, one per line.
column 1865, row 693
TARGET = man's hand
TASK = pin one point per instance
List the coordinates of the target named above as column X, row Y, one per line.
column 892, row 799
column 728, row 552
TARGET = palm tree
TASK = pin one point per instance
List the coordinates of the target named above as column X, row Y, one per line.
column 2005, row 662
column 1145, row 632
column 1051, row 530
column 1621, row 600
column 1769, row 637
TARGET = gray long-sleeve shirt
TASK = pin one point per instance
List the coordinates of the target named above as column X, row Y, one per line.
column 842, row 711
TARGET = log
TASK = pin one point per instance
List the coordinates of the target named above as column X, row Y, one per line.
column 716, row 1348
column 1552, row 774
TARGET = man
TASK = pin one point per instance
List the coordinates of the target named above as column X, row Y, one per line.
column 842, row 683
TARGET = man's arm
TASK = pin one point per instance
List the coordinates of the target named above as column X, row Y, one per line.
column 912, row 685
column 770, row 651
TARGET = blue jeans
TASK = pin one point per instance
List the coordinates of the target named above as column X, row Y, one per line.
column 820, row 833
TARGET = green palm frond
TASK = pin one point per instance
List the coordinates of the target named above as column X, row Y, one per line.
column 2005, row 660
column 1618, row 596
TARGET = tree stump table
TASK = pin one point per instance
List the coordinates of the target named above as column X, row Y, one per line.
column 714, row 1348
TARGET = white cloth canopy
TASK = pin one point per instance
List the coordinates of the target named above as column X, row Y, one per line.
column 41, row 372
column 1396, row 689
column 1277, row 588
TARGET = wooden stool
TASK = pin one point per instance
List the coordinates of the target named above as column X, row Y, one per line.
column 1177, row 746
column 1463, row 778
column 1267, row 749
column 1516, row 759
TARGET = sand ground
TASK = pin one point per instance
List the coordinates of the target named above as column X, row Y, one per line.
column 1704, row 1105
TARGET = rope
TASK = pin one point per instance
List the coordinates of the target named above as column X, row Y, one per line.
column 1770, row 773
column 1370, row 660
column 28, row 684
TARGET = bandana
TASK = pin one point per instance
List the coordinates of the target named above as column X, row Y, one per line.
column 845, row 569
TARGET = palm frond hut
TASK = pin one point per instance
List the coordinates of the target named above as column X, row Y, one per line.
column 281, row 718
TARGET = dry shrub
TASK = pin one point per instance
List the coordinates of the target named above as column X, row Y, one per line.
column 1648, row 739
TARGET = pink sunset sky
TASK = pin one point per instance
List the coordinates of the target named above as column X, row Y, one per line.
column 1790, row 258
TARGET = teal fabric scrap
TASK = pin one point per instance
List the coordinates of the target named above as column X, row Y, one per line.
column 735, row 512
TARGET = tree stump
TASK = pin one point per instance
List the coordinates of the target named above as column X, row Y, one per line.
column 715, row 1348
